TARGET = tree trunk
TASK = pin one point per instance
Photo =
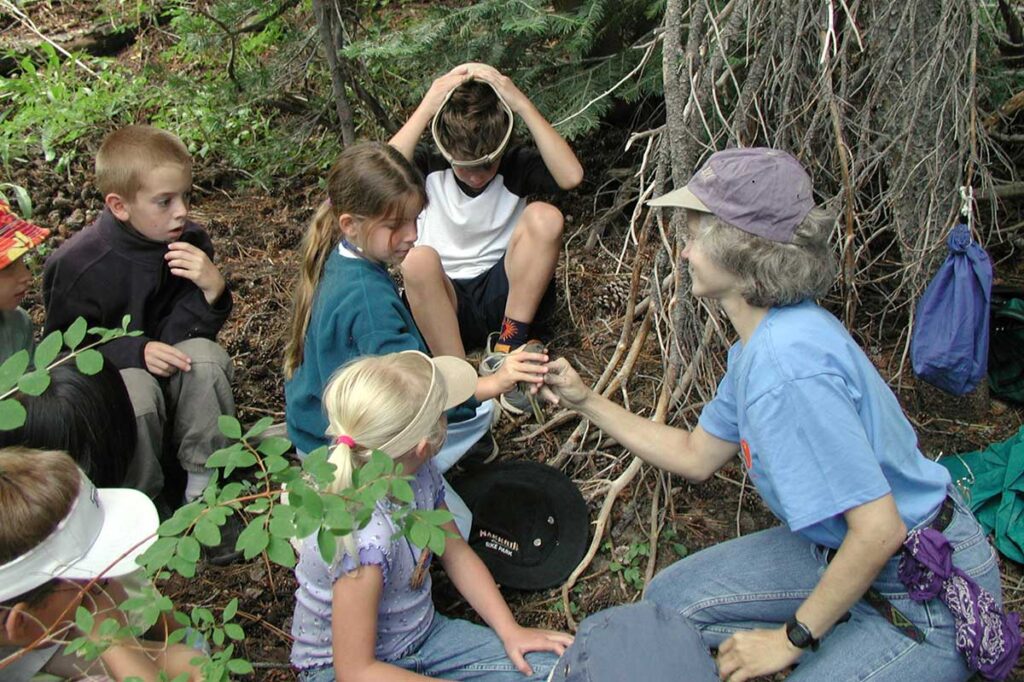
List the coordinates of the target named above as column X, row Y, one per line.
column 327, row 15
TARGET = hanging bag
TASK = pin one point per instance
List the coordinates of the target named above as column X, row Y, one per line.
column 949, row 344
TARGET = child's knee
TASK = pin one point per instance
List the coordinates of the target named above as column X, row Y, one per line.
column 421, row 264
column 543, row 221
column 206, row 355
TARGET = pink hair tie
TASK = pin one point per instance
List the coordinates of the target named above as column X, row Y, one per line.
column 345, row 440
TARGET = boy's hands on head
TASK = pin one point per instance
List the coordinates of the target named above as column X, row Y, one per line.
column 441, row 86
column 191, row 262
column 165, row 360
column 504, row 86
column 520, row 641
column 563, row 386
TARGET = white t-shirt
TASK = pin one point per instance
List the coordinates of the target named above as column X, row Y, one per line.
column 470, row 229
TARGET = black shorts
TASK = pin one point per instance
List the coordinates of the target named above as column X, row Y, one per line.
column 481, row 307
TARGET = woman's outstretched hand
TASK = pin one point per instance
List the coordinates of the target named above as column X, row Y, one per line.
column 563, row 386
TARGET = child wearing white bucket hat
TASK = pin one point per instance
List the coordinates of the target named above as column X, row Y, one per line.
column 369, row 612
column 63, row 544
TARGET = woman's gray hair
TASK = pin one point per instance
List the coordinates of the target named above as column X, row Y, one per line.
column 774, row 273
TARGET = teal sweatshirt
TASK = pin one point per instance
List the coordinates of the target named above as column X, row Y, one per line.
column 356, row 312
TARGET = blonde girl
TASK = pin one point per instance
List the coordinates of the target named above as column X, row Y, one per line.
column 347, row 306
column 369, row 615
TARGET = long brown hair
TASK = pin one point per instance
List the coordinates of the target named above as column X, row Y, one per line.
column 371, row 179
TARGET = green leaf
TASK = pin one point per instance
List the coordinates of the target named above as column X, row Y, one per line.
column 222, row 457
column 22, row 197
column 230, row 610
column 419, row 534
column 253, row 540
column 188, row 549
column 84, row 620
column 259, row 427
column 181, row 520
column 437, row 541
column 179, row 564
column 234, row 631
column 34, row 383
column 680, row 549
column 274, row 446
column 89, row 361
column 207, row 532
column 48, row 349
column 435, row 517
column 12, row 369
column 378, row 489
column 159, row 553
column 12, row 414
column 75, row 333
column 281, row 553
column 402, row 491
column 229, row 426
column 240, row 666
column 328, row 544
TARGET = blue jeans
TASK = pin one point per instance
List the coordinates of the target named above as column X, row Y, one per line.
column 759, row 581
column 458, row 650
column 461, row 436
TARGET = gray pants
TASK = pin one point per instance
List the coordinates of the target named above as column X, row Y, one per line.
column 179, row 412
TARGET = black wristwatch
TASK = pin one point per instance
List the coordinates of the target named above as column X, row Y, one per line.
column 800, row 635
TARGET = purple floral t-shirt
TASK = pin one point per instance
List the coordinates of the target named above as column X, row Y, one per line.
column 404, row 614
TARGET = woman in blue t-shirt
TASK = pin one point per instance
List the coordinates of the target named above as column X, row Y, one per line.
column 829, row 449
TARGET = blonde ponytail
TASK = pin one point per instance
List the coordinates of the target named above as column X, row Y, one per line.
column 371, row 400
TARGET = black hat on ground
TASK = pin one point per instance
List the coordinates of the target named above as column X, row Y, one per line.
column 530, row 523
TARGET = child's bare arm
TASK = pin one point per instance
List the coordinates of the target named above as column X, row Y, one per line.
column 474, row 582
column 558, row 156
column 132, row 657
column 405, row 140
column 354, row 603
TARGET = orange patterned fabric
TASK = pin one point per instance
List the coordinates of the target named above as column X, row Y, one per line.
column 17, row 236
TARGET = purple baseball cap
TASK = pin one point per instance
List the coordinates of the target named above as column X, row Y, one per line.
column 763, row 191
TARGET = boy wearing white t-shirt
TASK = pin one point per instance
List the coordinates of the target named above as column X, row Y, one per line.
column 485, row 258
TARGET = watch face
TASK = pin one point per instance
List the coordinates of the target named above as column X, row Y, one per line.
column 799, row 635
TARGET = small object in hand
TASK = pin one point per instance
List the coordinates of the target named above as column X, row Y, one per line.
column 524, row 387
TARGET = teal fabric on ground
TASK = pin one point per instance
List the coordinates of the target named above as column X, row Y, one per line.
column 992, row 481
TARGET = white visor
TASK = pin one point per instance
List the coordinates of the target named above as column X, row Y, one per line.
column 101, row 536
column 485, row 160
column 453, row 375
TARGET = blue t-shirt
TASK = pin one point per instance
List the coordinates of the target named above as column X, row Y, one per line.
column 404, row 613
column 819, row 429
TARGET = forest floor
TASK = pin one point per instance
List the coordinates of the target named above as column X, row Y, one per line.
column 256, row 235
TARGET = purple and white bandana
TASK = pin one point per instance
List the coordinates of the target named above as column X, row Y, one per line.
column 988, row 638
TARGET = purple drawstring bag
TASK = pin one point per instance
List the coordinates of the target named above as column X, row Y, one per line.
column 988, row 637
column 949, row 344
